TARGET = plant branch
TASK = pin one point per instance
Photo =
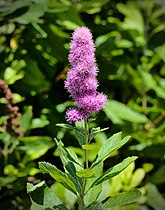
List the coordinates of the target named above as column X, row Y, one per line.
column 155, row 122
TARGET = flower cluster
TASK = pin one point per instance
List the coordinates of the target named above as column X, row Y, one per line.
column 81, row 80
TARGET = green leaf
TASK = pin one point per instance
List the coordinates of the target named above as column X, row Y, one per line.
column 14, row 73
column 122, row 198
column 133, row 17
column 160, row 92
column 11, row 76
column 95, row 131
column 39, row 29
column 10, row 7
column 103, row 39
column 97, row 206
column 92, row 193
column 58, row 175
column 67, row 197
column 80, row 132
column 43, row 198
column 158, row 177
column 26, row 119
column 63, row 125
column 35, row 146
column 3, row 119
column 149, row 80
column 34, row 80
column 117, row 112
column 71, row 164
column 137, row 177
column 111, row 145
column 155, row 198
column 161, row 52
column 124, row 43
column 90, row 146
column 93, row 6
column 113, row 171
column 68, row 155
column 34, row 13
column 39, row 123
column 86, row 173
column 18, row 98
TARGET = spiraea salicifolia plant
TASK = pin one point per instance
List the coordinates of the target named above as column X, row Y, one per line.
column 83, row 178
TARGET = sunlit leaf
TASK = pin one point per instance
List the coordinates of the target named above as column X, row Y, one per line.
column 11, row 75
column 118, row 112
column 35, row 146
column 111, row 145
column 113, row 171
column 122, row 198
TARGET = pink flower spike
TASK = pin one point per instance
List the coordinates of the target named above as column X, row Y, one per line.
column 81, row 80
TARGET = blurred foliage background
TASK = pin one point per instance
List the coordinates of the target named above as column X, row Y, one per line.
column 130, row 51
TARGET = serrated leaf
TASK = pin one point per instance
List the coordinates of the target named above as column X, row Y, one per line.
column 58, row 175
column 86, row 173
column 71, row 164
column 111, row 145
column 95, row 131
column 113, row 171
column 68, row 155
column 122, row 198
column 80, row 132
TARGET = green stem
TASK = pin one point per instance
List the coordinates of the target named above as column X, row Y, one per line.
column 86, row 142
column 81, row 198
